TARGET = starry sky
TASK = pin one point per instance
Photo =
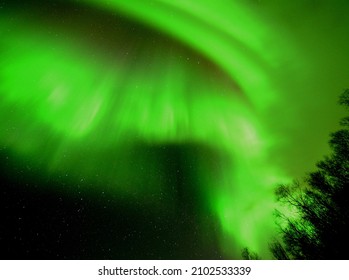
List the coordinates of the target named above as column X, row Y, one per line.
column 159, row 129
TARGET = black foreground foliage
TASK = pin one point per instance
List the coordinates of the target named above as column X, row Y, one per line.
column 316, row 225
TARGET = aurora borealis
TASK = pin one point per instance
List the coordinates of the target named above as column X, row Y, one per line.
column 189, row 111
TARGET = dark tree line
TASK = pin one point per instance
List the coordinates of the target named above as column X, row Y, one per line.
column 314, row 222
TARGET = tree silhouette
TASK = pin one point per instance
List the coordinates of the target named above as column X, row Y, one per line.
column 249, row 255
column 314, row 221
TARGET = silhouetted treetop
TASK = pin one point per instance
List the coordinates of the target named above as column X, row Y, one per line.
column 315, row 222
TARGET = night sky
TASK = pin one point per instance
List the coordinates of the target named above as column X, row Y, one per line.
column 159, row 129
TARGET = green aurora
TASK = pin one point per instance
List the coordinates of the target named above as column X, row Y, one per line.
column 252, row 84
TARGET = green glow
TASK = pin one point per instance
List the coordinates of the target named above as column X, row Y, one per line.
column 86, row 115
column 226, row 32
column 85, row 104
